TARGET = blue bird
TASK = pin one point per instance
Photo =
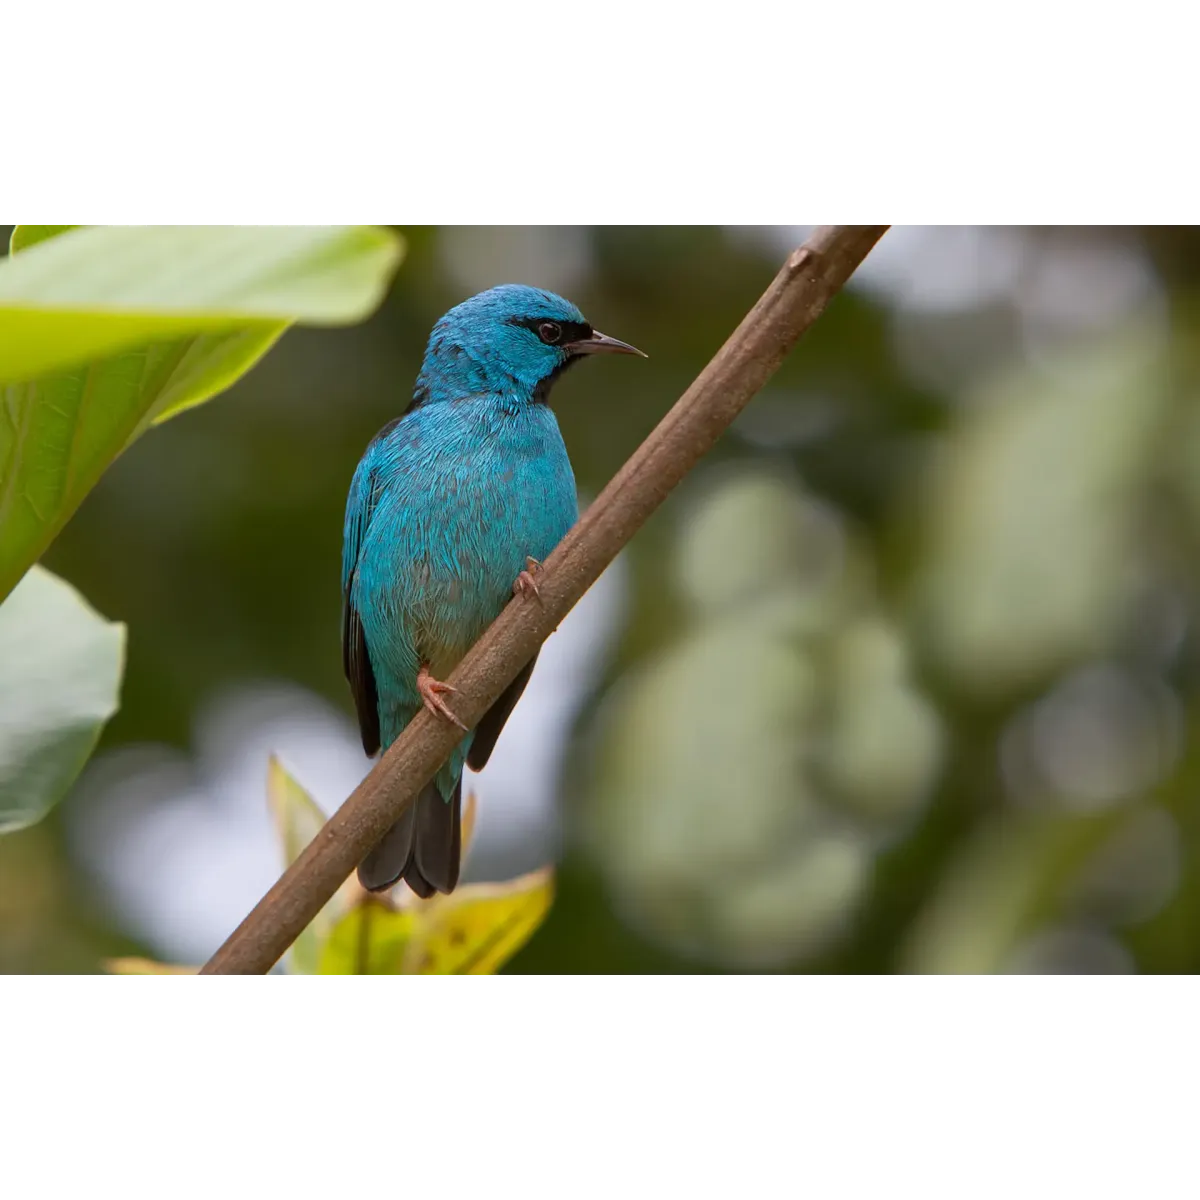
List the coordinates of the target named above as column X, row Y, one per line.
column 451, row 511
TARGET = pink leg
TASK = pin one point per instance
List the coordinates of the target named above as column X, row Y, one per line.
column 432, row 690
column 526, row 585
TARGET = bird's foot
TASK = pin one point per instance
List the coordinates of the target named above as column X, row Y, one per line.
column 526, row 584
column 432, row 690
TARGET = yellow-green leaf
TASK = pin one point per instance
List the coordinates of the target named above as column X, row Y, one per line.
column 145, row 966
column 369, row 940
column 297, row 820
column 297, row 817
column 468, row 824
column 105, row 331
column 477, row 929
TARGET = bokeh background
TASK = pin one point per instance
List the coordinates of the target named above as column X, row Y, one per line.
column 906, row 676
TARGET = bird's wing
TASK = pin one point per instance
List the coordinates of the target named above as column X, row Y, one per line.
column 356, row 662
column 488, row 729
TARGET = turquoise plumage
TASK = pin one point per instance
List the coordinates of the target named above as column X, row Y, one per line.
column 451, row 510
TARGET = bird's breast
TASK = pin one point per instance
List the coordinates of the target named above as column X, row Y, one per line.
column 465, row 503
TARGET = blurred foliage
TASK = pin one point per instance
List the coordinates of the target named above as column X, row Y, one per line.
column 743, row 826
column 1062, row 447
column 910, row 677
column 473, row 931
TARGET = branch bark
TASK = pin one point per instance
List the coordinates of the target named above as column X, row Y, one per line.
column 809, row 279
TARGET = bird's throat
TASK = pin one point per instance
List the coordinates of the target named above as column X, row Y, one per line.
column 541, row 393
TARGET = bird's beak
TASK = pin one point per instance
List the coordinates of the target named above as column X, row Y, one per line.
column 600, row 343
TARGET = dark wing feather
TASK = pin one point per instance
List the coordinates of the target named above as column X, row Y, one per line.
column 488, row 729
column 356, row 660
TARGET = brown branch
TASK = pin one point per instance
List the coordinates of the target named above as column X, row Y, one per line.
column 798, row 295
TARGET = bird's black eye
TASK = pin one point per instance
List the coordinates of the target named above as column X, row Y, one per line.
column 550, row 332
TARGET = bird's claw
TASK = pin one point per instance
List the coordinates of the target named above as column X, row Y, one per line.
column 525, row 584
column 432, row 690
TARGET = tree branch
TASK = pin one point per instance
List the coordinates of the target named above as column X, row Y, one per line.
column 812, row 275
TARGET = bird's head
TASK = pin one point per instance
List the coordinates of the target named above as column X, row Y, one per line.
column 513, row 340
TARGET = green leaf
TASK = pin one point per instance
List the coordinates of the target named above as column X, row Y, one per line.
column 89, row 292
column 477, row 929
column 298, row 820
column 370, row 940
column 106, row 331
column 60, row 678
column 24, row 236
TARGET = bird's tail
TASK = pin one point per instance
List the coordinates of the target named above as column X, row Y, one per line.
column 423, row 848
